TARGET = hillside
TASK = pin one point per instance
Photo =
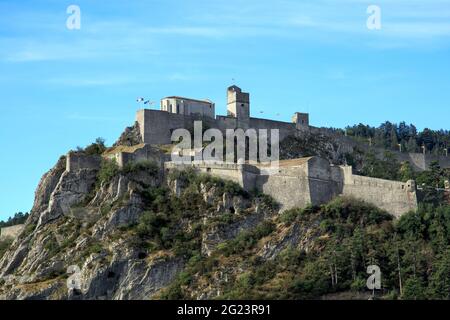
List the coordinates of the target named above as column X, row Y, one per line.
column 139, row 233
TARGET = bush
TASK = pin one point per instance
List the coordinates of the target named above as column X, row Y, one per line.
column 108, row 169
column 289, row 216
column 18, row 218
column 96, row 148
column 4, row 245
column 145, row 165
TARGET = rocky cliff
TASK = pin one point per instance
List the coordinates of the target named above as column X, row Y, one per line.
column 139, row 232
column 96, row 220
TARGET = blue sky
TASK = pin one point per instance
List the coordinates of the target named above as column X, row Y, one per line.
column 62, row 88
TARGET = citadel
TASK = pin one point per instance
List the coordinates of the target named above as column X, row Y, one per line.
column 296, row 182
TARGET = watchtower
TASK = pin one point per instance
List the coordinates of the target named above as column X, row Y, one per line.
column 301, row 120
column 238, row 104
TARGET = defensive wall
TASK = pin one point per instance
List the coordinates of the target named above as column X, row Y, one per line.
column 11, row 232
column 156, row 127
column 300, row 182
column 78, row 160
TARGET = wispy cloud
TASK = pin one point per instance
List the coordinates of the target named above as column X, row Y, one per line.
column 43, row 37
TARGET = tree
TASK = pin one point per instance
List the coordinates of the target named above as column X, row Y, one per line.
column 406, row 172
column 439, row 287
column 414, row 289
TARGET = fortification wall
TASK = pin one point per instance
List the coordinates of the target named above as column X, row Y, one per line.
column 146, row 153
column 243, row 175
column 395, row 197
column 77, row 161
column 289, row 191
column 285, row 128
column 156, row 126
column 444, row 161
column 11, row 232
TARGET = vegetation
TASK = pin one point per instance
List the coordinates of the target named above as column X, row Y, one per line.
column 108, row 170
column 391, row 136
column 96, row 148
column 145, row 165
column 18, row 218
column 4, row 245
column 191, row 177
column 344, row 237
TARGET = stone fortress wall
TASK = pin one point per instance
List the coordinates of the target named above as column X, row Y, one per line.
column 156, row 127
column 312, row 180
column 11, row 232
column 296, row 183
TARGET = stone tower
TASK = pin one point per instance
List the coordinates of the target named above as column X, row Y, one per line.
column 238, row 105
column 301, row 120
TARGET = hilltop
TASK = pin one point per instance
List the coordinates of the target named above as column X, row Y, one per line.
column 126, row 223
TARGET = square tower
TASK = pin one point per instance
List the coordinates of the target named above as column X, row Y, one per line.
column 301, row 120
column 238, row 104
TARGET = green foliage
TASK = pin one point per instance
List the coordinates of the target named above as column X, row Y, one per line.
column 96, row 148
column 247, row 239
column 191, row 177
column 387, row 168
column 108, row 170
column 343, row 238
column 414, row 289
column 145, row 165
column 18, row 218
column 52, row 246
column 4, row 245
column 390, row 135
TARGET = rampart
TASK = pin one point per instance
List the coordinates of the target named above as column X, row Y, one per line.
column 299, row 182
column 77, row 161
column 156, row 127
column 11, row 232
column 393, row 196
column 142, row 152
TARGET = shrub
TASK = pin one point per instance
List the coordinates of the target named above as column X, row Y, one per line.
column 96, row 148
column 108, row 169
column 145, row 165
column 4, row 245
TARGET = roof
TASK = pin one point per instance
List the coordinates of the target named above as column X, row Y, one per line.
column 190, row 99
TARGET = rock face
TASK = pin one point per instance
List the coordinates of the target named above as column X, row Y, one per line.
column 82, row 239
column 76, row 243
column 71, row 224
column 130, row 137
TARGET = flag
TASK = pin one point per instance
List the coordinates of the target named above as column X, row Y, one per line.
column 139, row 99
